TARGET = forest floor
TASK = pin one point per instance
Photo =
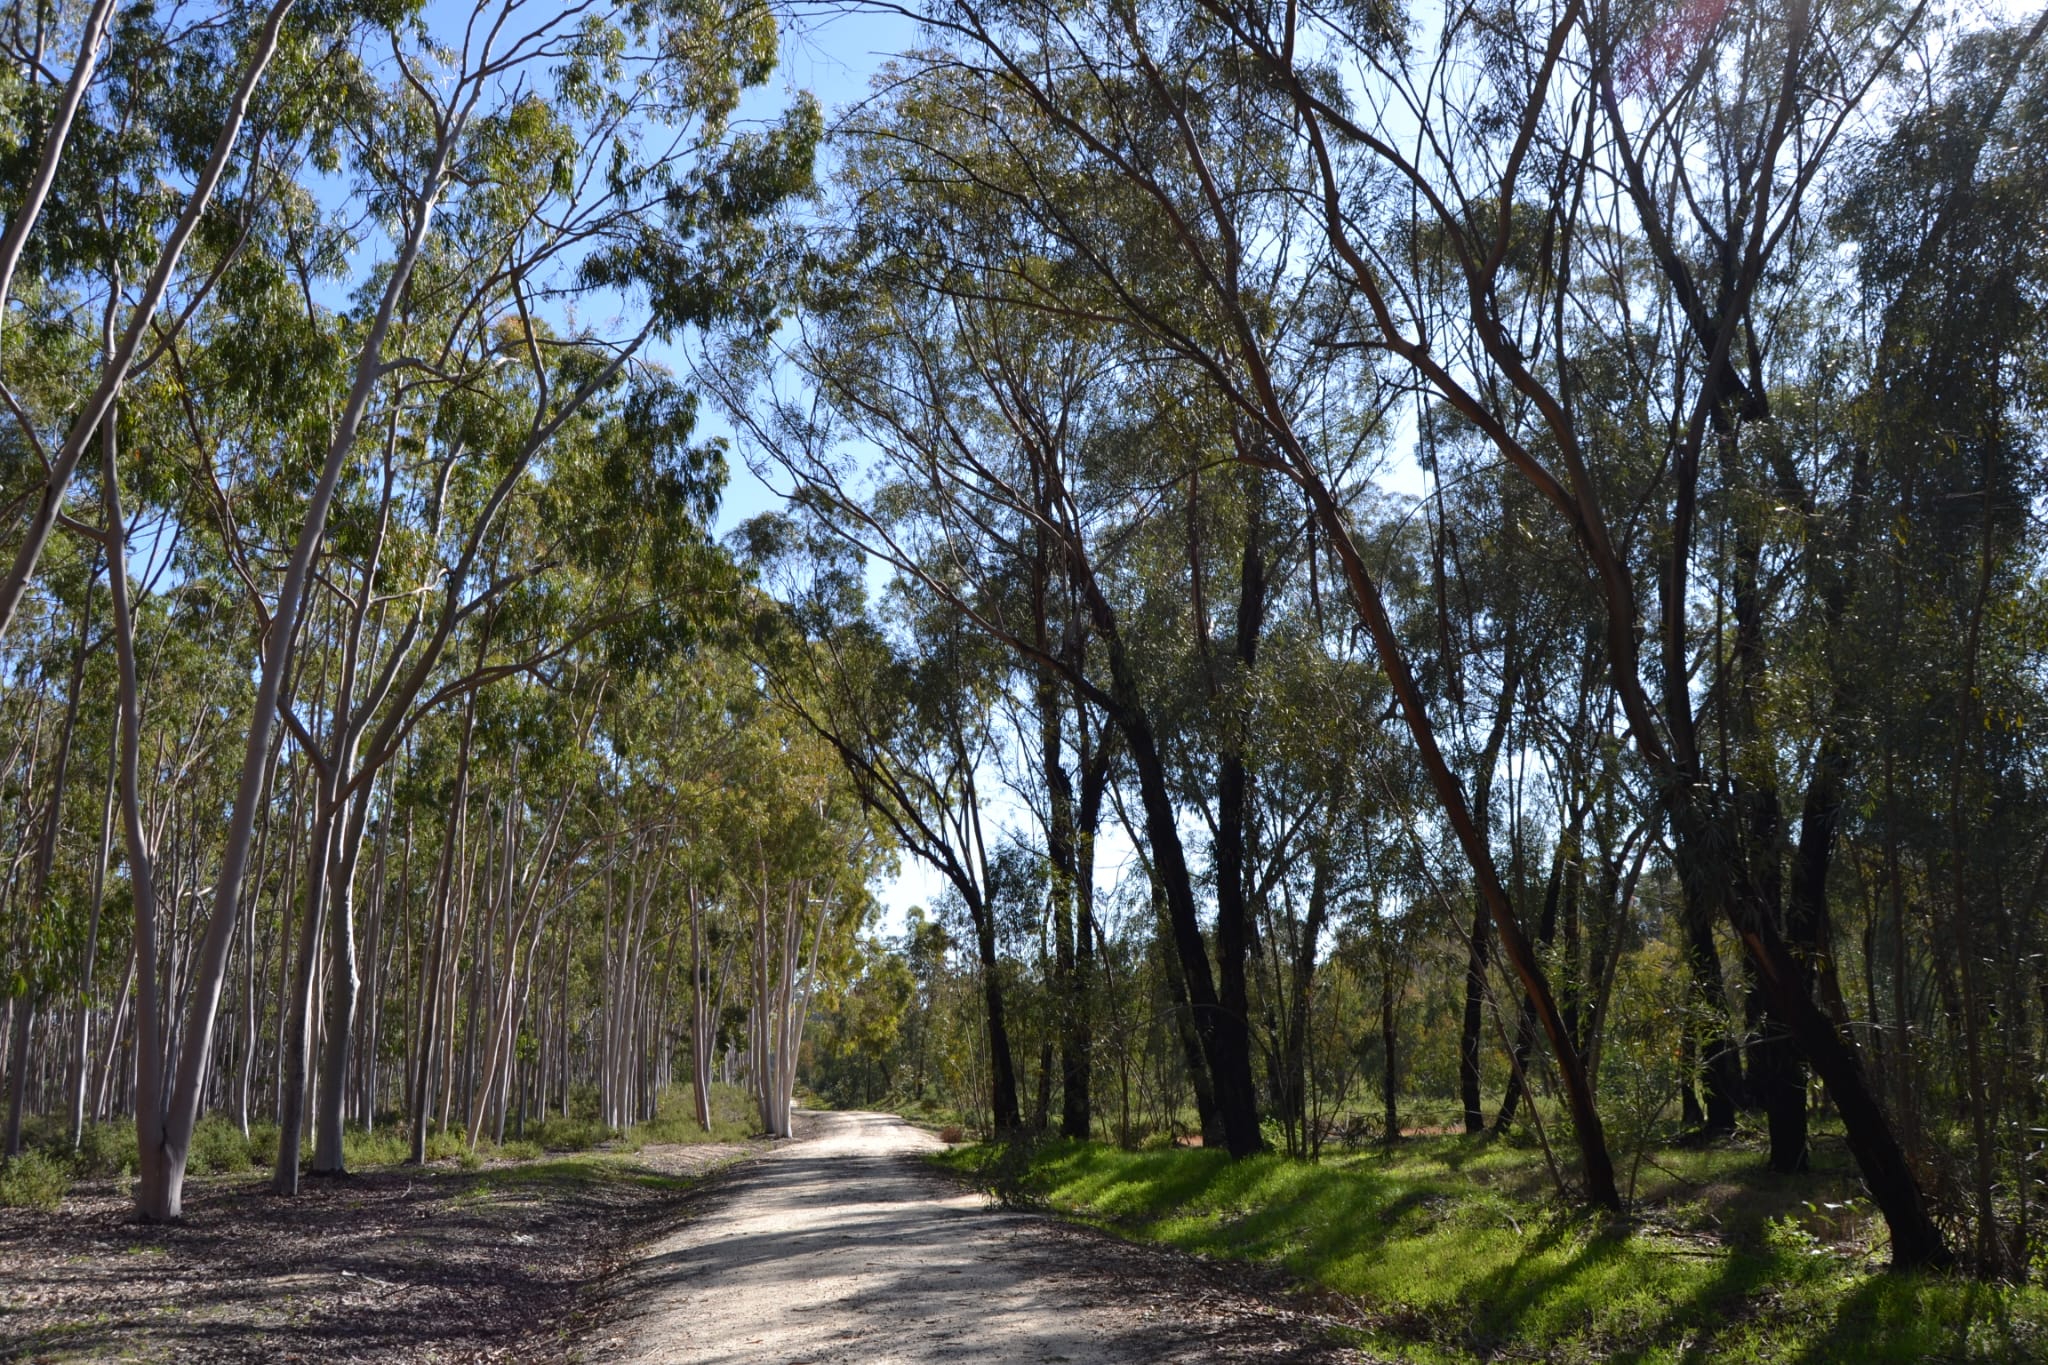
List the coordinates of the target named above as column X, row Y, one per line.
column 495, row 1263
column 849, row 1247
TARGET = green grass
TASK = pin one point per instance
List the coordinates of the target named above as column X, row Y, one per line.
column 1455, row 1251
column 107, row 1150
column 675, row 1119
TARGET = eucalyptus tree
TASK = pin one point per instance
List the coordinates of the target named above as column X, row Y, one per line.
column 689, row 731
column 43, row 931
column 131, row 172
column 1332, row 790
column 985, row 418
column 497, row 206
column 1923, row 638
column 1524, row 118
column 217, row 52
column 1166, row 209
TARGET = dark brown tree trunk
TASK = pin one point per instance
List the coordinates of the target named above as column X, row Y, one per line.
column 1471, row 1031
column 1525, row 1024
column 1067, row 1006
column 1598, row 1165
column 1002, row 1066
column 1702, row 900
column 1041, row 1111
column 1225, row 1035
column 1233, row 811
column 1184, row 1026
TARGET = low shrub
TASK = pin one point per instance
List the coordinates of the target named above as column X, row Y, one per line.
column 33, row 1181
column 447, row 1144
column 219, row 1148
column 263, row 1143
column 106, row 1149
column 566, row 1135
column 380, row 1147
column 675, row 1117
column 520, row 1150
column 1006, row 1170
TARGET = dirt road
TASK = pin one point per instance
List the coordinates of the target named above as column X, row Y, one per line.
column 845, row 1248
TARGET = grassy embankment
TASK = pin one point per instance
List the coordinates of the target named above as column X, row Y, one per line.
column 1453, row 1249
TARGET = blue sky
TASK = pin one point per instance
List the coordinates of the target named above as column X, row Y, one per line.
column 833, row 56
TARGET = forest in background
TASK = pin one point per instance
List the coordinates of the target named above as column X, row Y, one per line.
column 1475, row 568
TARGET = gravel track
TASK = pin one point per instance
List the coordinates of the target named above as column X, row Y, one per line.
column 845, row 1247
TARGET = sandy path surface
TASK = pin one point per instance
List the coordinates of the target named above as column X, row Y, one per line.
column 844, row 1247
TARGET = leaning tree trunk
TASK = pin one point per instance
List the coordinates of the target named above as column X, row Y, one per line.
column 120, row 355
column 162, row 1196
column 1598, row 1166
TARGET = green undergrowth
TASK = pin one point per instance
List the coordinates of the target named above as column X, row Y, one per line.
column 44, row 1173
column 1453, row 1250
column 917, row 1109
column 675, row 1119
column 33, row 1181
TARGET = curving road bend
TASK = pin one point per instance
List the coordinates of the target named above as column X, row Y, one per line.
column 844, row 1247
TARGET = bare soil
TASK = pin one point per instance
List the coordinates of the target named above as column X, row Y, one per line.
column 400, row 1265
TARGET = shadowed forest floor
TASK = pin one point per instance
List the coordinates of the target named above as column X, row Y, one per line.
column 395, row 1265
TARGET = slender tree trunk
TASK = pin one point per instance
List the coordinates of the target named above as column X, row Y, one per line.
column 1598, row 1166
column 17, row 1068
column 160, row 1154
column 165, row 1201
column 343, row 984
column 92, row 40
column 81, row 1049
column 1471, row 1031
column 1292, row 1097
column 295, row 1033
column 1207, row 1115
column 1003, row 1110
column 437, row 949
column 1234, row 783
column 703, row 1028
